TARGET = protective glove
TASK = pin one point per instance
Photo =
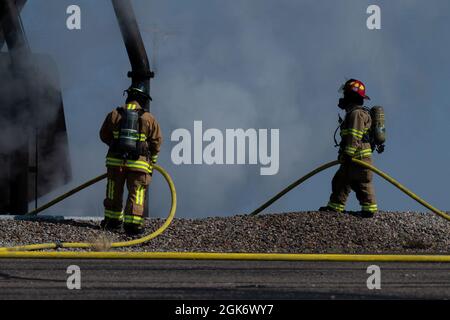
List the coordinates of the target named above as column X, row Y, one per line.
column 153, row 160
column 380, row 148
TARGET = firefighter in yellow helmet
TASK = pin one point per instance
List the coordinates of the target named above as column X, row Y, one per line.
column 355, row 143
column 134, row 139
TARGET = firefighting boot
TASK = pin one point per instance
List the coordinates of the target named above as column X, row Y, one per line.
column 133, row 229
column 326, row 209
column 330, row 210
column 111, row 224
column 367, row 214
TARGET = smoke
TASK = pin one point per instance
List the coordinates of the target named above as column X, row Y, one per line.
column 32, row 128
column 257, row 64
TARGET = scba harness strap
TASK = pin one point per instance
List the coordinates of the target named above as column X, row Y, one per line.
column 366, row 136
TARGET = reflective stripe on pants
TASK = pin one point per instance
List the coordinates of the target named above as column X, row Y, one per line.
column 336, row 206
column 137, row 183
column 134, row 220
column 115, row 215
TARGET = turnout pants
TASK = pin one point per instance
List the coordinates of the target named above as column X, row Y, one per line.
column 137, row 184
column 351, row 176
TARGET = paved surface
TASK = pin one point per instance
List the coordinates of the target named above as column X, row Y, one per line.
column 46, row 279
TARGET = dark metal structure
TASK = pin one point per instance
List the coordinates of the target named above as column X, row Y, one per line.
column 33, row 139
column 141, row 72
column 19, row 5
column 18, row 156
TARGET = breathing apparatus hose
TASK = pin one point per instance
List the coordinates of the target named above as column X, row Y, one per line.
column 86, row 245
column 363, row 164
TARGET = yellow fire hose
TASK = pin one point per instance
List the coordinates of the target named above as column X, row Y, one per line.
column 66, row 195
column 224, row 256
column 293, row 186
column 361, row 163
column 85, row 245
column 23, row 252
column 403, row 188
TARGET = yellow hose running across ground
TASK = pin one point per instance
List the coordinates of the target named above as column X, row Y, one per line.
column 24, row 251
column 403, row 188
column 85, row 245
column 224, row 256
column 361, row 163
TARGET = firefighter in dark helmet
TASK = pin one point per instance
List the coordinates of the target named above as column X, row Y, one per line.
column 134, row 139
column 355, row 143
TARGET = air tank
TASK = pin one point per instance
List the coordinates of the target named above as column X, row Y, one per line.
column 378, row 125
column 129, row 131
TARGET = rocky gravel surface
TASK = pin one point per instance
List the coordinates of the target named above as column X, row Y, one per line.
column 297, row 232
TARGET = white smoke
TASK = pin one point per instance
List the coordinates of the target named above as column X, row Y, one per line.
column 258, row 64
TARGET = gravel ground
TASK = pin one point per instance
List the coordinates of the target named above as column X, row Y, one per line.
column 298, row 232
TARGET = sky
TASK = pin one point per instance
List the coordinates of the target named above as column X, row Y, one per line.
column 260, row 64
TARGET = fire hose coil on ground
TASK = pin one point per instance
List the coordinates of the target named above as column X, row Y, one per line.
column 24, row 252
